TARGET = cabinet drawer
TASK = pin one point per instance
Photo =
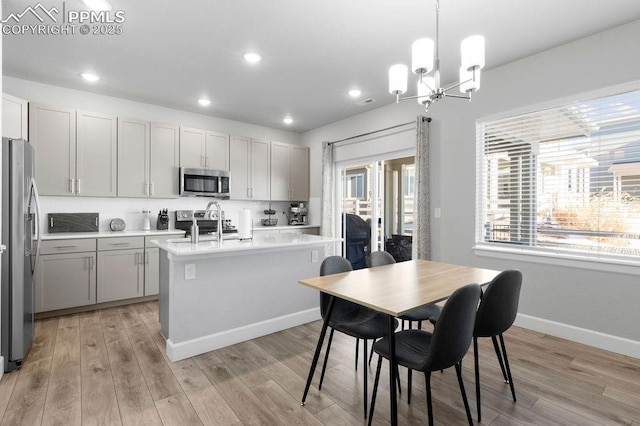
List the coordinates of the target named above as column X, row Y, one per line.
column 120, row 243
column 68, row 246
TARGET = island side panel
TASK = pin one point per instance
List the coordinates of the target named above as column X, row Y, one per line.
column 234, row 298
column 165, row 275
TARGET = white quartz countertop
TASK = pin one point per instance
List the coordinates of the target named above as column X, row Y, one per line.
column 180, row 247
column 109, row 234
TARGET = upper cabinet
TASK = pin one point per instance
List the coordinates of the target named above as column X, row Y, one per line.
column 96, row 154
column 14, row 117
column 202, row 149
column 148, row 159
column 289, row 172
column 249, row 168
column 75, row 151
column 165, row 160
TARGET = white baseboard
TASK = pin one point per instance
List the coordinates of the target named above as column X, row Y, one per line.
column 189, row 348
column 596, row 339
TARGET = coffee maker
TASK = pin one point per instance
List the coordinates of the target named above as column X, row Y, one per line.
column 297, row 214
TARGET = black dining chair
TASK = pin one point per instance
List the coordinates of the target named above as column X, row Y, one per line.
column 426, row 352
column 496, row 314
column 423, row 313
column 351, row 319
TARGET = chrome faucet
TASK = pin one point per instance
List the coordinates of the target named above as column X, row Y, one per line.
column 219, row 211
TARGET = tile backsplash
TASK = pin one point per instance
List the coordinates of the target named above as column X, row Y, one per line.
column 130, row 209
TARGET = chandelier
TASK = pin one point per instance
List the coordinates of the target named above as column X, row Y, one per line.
column 425, row 58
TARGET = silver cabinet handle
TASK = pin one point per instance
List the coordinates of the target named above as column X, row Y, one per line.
column 248, row 192
column 96, row 221
column 90, row 262
column 203, row 161
column 51, row 222
column 146, row 188
column 137, row 261
column 151, row 189
column 146, row 257
column 72, row 185
column 78, row 186
column 64, row 247
column 2, row 248
column 119, row 244
column 206, row 161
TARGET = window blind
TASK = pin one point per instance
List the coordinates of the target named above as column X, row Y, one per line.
column 562, row 179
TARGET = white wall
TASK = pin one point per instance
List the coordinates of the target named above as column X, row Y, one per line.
column 130, row 209
column 593, row 300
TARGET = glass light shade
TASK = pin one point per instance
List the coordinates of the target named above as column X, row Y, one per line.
column 422, row 55
column 472, row 52
column 425, row 90
column 398, row 79
column 473, row 84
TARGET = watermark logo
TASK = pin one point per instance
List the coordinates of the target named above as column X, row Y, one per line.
column 38, row 11
column 42, row 20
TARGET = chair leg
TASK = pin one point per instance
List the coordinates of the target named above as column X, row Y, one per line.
column 326, row 358
column 375, row 391
column 409, row 386
column 464, row 394
column 419, row 325
column 398, row 379
column 365, row 383
column 476, row 363
column 427, row 380
column 371, row 353
column 357, row 346
column 506, row 363
column 499, row 356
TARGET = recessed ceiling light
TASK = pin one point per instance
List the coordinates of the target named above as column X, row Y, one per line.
column 89, row 76
column 287, row 120
column 354, row 93
column 97, row 5
column 204, row 102
column 252, row 57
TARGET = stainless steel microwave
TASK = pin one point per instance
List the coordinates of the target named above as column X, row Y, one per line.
column 204, row 183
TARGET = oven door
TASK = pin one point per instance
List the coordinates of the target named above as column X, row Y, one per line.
column 199, row 182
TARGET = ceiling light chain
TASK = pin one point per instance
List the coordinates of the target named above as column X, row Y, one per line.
column 426, row 57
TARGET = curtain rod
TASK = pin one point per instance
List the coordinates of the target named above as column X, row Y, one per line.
column 375, row 131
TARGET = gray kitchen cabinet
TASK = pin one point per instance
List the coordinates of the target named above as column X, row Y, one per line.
column 192, row 142
column 148, row 159
column 52, row 132
column 289, row 172
column 96, row 154
column 216, row 153
column 14, row 117
column 151, row 271
column 249, row 168
column 120, row 272
column 76, row 151
column 65, row 280
column 133, row 158
column 202, row 149
column 299, row 173
column 165, row 160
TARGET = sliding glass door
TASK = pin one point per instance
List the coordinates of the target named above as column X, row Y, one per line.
column 375, row 208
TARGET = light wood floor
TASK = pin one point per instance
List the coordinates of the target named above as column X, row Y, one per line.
column 108, row 367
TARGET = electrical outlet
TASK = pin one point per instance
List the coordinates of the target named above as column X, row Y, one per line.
column 190, row 271
column 437, row 213
column 314, row 256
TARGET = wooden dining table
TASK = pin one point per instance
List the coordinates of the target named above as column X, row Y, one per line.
column 395, row 290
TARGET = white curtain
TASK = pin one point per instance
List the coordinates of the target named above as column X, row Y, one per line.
column 421, row 241
column 327, row 226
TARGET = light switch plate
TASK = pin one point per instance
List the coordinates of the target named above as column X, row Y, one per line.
column 314, row 256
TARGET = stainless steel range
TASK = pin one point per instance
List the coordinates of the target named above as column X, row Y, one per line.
column 207, row 225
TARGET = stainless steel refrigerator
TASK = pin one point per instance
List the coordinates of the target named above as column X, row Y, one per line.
column 21, row 237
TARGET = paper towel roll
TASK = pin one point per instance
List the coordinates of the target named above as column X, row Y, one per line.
column 244, row 224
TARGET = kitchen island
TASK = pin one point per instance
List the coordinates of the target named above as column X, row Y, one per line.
column 215, row 294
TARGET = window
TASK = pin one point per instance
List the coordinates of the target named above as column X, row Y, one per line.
column 355, row 185
column 565, row 179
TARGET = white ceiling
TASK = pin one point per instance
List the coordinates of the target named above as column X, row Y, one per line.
column 173, row 52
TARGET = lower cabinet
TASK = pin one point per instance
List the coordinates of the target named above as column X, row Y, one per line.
column 65, row 281
column 151, row 271
column 80, row 272
column 120, row 275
